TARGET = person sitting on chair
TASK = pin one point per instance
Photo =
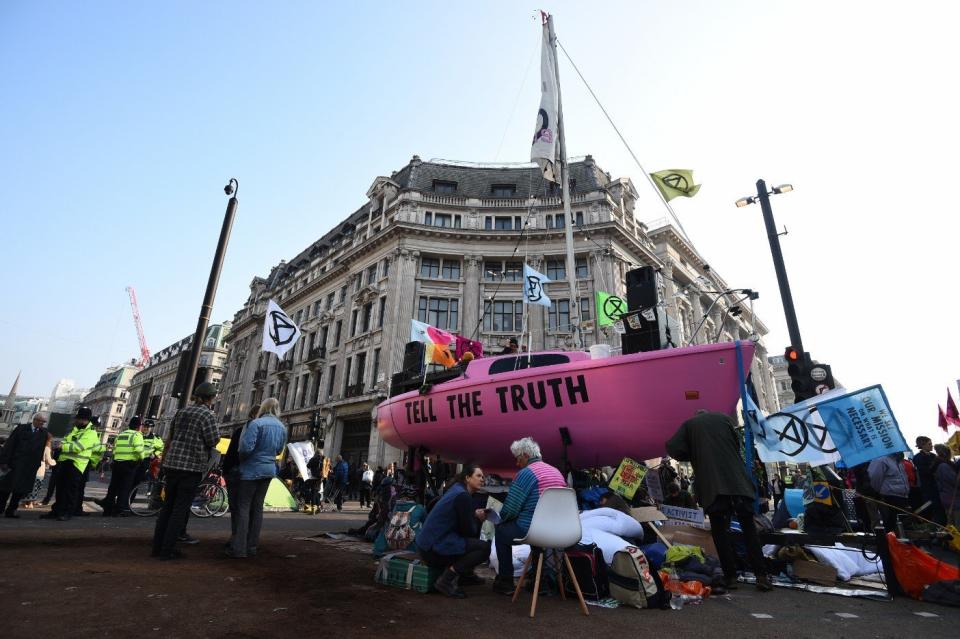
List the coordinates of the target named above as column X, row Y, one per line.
column 534, row 477
column 449, row 537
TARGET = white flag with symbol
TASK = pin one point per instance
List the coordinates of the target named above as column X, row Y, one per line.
column 280, row 334
column 533, row 282
column 544, row 149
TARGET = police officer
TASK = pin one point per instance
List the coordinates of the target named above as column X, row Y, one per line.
column 76, row 450
column 128, row 451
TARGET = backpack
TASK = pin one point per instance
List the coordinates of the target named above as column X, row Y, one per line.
column 590, row 570
column 633, row 583
column 399, row 532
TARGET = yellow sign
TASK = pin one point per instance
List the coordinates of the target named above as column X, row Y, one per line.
column 954, row 443
column 628, row 478
column 821, row 493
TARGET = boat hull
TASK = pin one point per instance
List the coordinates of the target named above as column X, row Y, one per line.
column 615, row 407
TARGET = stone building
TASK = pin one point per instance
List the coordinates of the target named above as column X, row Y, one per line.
column 151, row 390
column 444, row 242
column 108, row 399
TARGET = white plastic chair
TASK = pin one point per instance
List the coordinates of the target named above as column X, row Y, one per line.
column 555, row 526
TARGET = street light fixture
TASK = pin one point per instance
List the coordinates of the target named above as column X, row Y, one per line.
column 230, row 189
column 763, row 196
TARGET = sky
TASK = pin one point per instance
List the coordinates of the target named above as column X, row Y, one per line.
column 121, row 122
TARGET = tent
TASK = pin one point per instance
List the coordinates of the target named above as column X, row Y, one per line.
column 278, row 498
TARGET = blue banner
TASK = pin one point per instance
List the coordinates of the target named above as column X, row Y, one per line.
column 862, row 426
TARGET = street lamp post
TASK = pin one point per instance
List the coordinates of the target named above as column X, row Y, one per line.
column 790, row 313
column 230, row 189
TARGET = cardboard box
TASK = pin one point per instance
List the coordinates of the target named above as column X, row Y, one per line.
column 690, row 536
column 816, row 572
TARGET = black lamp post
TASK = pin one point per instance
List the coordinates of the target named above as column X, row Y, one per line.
column 191, row 374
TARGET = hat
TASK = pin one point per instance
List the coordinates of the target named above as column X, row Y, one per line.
column 135, row 422
column 84, row 412
column 205, row 390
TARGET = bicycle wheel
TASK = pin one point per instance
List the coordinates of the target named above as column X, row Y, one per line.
column 201, row 499
column 218, row 504
column 146, row 498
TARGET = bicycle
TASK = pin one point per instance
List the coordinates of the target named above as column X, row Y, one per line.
column 146, row 498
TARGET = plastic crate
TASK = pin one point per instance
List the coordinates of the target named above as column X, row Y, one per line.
column 406, row 570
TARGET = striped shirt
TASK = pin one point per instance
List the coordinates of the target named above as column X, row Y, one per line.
column 526, row 489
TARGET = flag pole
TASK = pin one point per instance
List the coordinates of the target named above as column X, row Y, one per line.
column 565, row 196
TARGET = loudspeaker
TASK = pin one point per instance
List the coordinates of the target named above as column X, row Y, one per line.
column 644, row 288
column 413, row 354
column 652, row 335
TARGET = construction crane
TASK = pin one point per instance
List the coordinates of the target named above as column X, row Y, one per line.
column 144, row 349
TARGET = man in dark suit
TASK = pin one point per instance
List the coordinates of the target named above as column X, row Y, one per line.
column 19, row 460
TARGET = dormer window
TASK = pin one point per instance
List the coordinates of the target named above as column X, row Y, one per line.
column 444, row 187
column 503, row 190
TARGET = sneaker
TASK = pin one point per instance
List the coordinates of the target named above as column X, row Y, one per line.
column 187, row 539
column 504, row 586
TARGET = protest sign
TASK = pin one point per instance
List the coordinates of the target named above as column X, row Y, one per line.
column 795, row 434
column 628, row 478
column 655, row 487
column 862, row 425
column 688, row 516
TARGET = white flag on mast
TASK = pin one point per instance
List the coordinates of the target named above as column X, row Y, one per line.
column 280, row 334
column 544, row 150
column 533, row 282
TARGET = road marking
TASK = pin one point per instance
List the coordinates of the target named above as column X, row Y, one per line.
column 760, row 615
column 846, row 615
column 926, row 614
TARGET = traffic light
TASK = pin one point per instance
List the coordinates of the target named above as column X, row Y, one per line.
column 809, row 378
column 798, row 367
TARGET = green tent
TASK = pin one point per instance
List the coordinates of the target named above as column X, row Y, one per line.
column 278, row 498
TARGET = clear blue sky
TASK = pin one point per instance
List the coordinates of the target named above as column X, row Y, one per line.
column 120, row 122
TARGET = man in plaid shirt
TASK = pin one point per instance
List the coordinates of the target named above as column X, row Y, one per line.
column 193, row 435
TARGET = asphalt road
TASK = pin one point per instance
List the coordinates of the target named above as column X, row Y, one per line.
column 91, row 577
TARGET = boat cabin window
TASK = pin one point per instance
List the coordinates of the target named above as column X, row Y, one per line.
column 507, row 364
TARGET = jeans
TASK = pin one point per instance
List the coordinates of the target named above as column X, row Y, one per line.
column 172, row 521
column 250, row 496
column 233, row 498
column 506, row 533
column 475, row 554
column 721, row 512
column 338, row 495
column 69, row 485
column 365, row 492
column 121, row 485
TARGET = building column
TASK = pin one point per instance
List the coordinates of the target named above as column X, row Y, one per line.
column 697, row 303
column 403, row 289
column 472, row 311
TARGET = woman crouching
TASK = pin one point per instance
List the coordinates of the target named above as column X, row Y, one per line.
column 449, row 538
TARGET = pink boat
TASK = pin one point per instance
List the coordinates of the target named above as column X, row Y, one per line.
column 613, row 407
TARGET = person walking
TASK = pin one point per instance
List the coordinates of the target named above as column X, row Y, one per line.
column 33, row 501
column 341, row 472
column 776, row 488
column 261, row 441
column 127, row 454
column 76, row 451
column 724, row 489
column 366, row 486
column 20, row 457
column 194, row 433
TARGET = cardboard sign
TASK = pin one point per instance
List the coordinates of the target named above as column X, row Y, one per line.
column 628, row 478
column 654, row 487
column 687, row 516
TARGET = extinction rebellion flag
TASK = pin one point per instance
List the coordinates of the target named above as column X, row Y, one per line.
column 533, row 282
column 609, row 308
column 280, row 334
column 675, row 183
column 544, row 149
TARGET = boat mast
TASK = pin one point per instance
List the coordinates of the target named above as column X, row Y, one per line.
column 565, row 197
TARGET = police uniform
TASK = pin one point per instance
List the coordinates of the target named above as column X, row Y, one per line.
column 76, row 451
column 128, row 452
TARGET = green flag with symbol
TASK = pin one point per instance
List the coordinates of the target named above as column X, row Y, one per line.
column 609, row 308
column 675, row 183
